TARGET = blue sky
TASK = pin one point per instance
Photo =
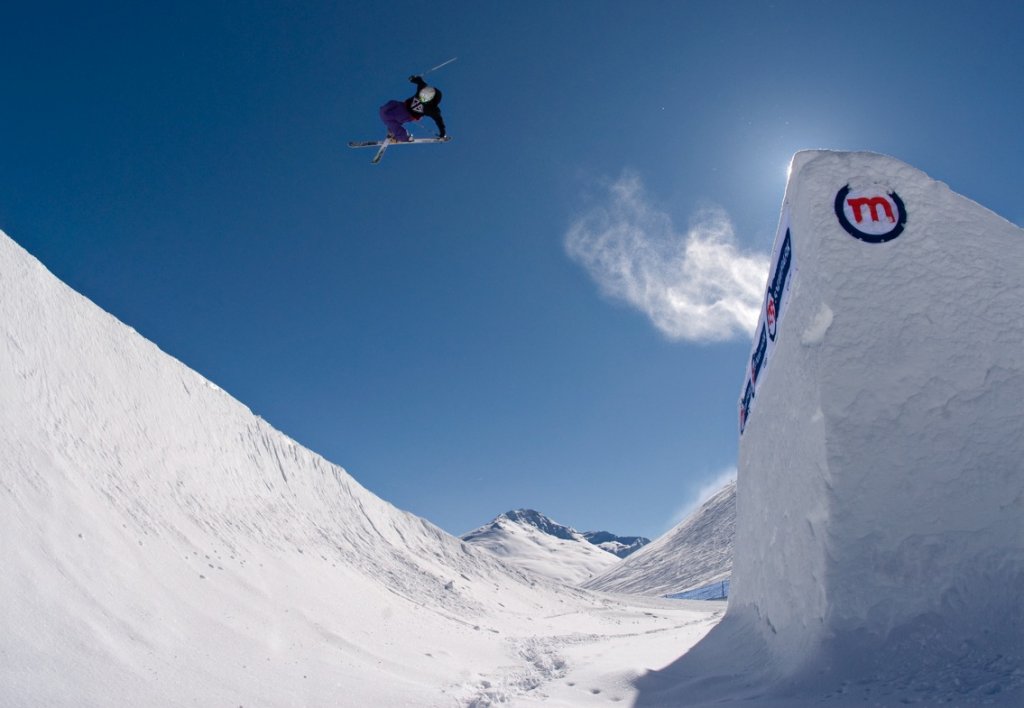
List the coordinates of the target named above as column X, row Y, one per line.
column 511, row 319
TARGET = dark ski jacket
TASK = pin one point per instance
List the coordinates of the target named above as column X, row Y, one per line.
column 417, row 109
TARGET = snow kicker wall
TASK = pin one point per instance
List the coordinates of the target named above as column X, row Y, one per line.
column 881, row 469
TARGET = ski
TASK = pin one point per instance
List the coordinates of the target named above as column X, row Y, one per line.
column 380, row 153
column 387, row 142
column 378, row 143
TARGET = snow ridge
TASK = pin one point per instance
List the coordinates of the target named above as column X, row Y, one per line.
column 695, row 553
column 161, row 545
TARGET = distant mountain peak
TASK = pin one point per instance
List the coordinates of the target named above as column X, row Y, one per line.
column 532, row 541
column 621, row 546
column 529, row 517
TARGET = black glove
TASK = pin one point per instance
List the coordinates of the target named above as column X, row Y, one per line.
column 414, row 79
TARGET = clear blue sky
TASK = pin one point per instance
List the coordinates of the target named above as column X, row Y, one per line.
column 423, row 322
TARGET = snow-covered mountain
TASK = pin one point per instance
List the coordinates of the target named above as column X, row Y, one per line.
column 621, row 546
column 695, row 553
column 530, row 540
column 161, row 545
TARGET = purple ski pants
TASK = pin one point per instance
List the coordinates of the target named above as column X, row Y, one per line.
column 394, row 113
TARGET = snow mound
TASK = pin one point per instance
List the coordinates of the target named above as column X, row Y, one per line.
column 696, row 553
column 880, row 500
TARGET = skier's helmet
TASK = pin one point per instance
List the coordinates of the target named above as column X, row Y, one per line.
column 427, row 94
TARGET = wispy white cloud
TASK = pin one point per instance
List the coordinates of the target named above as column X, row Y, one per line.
column 695, row 286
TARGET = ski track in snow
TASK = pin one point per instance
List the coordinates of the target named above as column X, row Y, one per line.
column 547, row 660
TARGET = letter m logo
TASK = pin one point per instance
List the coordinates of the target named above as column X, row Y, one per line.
column 872, row 214
column 858, row 205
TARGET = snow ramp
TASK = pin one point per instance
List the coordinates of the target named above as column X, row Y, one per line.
column 161, row 545
column 879, row 550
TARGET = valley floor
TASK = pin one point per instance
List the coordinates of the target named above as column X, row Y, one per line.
column 592, row 658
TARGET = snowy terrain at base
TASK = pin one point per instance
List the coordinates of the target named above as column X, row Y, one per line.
column 529, row 540
column 696, row 553
column 880, row 501
column 161, row 545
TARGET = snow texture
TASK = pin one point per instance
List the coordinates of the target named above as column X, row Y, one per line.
column 696, row 553
column 880, row 500
column 163, row 546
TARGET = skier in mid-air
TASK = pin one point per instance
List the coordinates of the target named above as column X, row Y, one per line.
column 426, row 102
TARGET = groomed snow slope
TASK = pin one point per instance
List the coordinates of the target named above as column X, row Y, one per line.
column 696, row 553
column 163, row 546
column 880, row 503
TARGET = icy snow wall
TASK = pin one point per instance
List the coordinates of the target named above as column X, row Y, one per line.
column 881, row 471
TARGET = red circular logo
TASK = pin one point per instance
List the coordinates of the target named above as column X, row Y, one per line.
column 872, row 214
